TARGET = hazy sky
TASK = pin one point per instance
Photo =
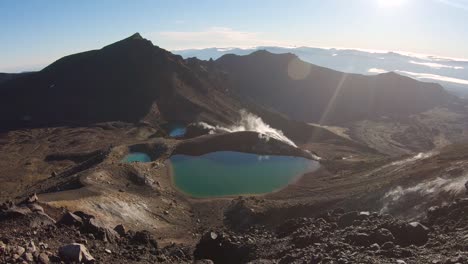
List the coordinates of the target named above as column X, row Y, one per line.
column 34, row 33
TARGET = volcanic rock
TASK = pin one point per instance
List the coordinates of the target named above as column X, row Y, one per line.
column 359, row 239
column 30, row 199
column 43, row 258
column 242, row 141
column 413, row 233
column 382, row 236
column 71, row 219
column 35, row 208
column 223, row 249
column 239, row 215
column 16, row 211
column 100, row 230
column 75, row 252
column 120, row 229
column 196, row 130
column 347, row 219
column 31, row 247
column 144, row 238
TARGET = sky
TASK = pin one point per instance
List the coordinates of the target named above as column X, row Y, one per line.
column 35, row 33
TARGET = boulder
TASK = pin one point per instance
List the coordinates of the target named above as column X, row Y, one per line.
column 120, row 229
column 388, row 245
column 30, row 199
column 374, row 247
column 29, row 257
column 304, row 238
column 347, row 219
column 18, row 250
column 76, row 253
column 418, row 233
column 83, row 215
column 239, row 215
column 35, row 208
column 71, row 219
column 3, row 247
column 223, row 248
column 99, row 230
column 144, row 238
column 31, row 247
column 359, row 239
column 382, row 235
column 6, row 205
column 413, row 233
column 16, row 211
column 43, row 258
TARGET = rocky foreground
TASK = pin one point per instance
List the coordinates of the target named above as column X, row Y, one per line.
column 31, row 232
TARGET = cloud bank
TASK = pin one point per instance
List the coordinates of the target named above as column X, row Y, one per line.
column 213, row 37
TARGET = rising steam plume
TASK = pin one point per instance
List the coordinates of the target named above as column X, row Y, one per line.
column 250, row 122
column 412, row 201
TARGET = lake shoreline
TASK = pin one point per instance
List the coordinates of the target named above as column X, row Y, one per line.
column 294, row 179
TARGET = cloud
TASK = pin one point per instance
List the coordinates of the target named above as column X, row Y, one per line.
column 428, row 76
column 376, row 70
column 212, row 37
column 437, row 65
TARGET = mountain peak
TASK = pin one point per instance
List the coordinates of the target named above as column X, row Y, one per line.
column 135, row 40
column 136, row 36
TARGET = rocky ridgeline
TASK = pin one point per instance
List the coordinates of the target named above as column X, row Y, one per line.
column 29, row 235
column 351, row 237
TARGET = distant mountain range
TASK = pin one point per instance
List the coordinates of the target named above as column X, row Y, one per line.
column 451, row 73
column 311, row 93
column 132, row 80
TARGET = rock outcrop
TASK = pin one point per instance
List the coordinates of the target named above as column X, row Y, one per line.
column 243, row 141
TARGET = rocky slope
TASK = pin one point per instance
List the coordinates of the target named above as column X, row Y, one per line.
column 29, row 233
column 344, row 237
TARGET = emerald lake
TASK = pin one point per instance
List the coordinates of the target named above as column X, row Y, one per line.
column 226, row 173
column 137, row 157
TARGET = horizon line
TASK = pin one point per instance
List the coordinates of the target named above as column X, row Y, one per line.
column 40, row 66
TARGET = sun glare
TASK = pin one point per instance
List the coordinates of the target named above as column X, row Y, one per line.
column 391, row 3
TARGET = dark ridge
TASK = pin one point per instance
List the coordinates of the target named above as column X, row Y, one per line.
column 324, row 95
column 127, row 81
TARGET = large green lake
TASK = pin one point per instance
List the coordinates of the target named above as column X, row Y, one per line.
column 226, row 173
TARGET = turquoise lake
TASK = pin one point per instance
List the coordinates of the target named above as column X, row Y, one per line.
column 137, row 157
column 175, row 129
column 228, row 173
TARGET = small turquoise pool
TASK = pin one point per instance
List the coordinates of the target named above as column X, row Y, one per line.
column 178, row 132
column 228, row 173
column 175, row 129
column 137, row 157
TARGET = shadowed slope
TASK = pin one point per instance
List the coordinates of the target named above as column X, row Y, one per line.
column 315, row 94
column 124, row 81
